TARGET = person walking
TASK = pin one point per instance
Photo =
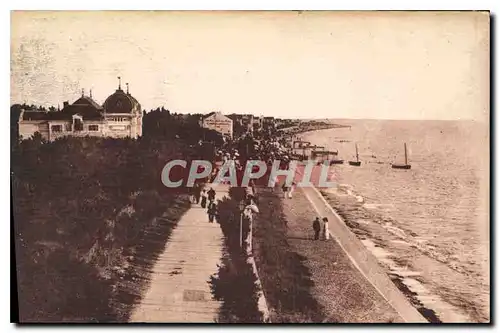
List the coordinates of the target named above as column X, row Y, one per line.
column 197, row 192
column 204, row 198
column 285, row 189
column 211, row 195
column 212, row 212
column 292, row 188
column 326, row 231
column 192, row 196
column 317, row 228
column 252, row 185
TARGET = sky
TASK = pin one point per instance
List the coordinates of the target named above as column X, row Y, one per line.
column 377, row 65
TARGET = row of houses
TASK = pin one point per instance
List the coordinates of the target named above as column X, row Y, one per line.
column 121, row 116
column 255, row 123
column 248, row 122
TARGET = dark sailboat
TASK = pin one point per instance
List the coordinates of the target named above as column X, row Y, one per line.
column 336, row 161
column 403, row 166
column 357, row 162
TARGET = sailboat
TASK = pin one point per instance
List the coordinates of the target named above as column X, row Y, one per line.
column 403, row 166
column 357, row 162
column 336, row 161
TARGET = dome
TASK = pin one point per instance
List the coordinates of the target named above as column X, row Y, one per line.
column 121, row 102
column 137, row 104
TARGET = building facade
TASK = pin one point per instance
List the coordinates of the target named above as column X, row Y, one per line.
column 120, row 116
column 247, row 122
column 218, row 122
column 243, row 120
column 257, row 123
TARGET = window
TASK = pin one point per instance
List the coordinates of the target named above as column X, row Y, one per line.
column 93, row 127
column 56, row 128
column 68, row 127
column 78, row 125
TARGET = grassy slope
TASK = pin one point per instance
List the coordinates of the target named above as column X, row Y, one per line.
column 285, row 278
column 81, row 211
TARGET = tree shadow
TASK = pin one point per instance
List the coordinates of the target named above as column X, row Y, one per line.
column 235, row 283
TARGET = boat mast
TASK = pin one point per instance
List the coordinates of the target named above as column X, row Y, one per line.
column 406, row 156
column 357, row 156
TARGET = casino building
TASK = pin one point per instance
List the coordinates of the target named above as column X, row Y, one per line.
column 120, row 116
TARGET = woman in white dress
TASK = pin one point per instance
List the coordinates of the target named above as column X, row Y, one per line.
column 290, row 190
column 326, row 232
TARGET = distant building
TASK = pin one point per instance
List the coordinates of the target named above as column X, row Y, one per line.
column 244, row 120
column 218, row 122
column 120, row 116
column 268, row 122
column 236, row 118
column 247, row 122
column 257, row 123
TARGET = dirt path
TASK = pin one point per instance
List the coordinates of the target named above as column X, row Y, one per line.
column 180, row 283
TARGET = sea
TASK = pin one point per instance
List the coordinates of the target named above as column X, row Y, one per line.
column 428, row 226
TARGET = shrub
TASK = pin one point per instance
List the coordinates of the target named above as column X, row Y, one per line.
column 73, row 235
column 235, row 284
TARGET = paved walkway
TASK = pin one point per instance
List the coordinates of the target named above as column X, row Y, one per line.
column 180, row 283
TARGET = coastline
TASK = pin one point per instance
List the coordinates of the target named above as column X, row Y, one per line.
column 396, row 249
column 311, row 127
column 318, row 281
column 391, row 253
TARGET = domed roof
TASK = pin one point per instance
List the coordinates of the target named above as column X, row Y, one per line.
column 121, row 102
column 135, row 101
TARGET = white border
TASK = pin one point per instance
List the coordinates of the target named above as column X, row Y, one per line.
column 491, row 5
column 256, row 5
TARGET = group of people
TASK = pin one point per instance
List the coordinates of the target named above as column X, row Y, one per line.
column 269, row 151
column 223, row 156
column 206, row 199
column 324, row 232
column 274, row 150
column 227, row 154
column 288, row 190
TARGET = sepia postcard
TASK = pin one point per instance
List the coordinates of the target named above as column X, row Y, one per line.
column 250, row 166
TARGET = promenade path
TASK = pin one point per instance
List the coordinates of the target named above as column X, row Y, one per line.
column 179, row 291
column 362, row 259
